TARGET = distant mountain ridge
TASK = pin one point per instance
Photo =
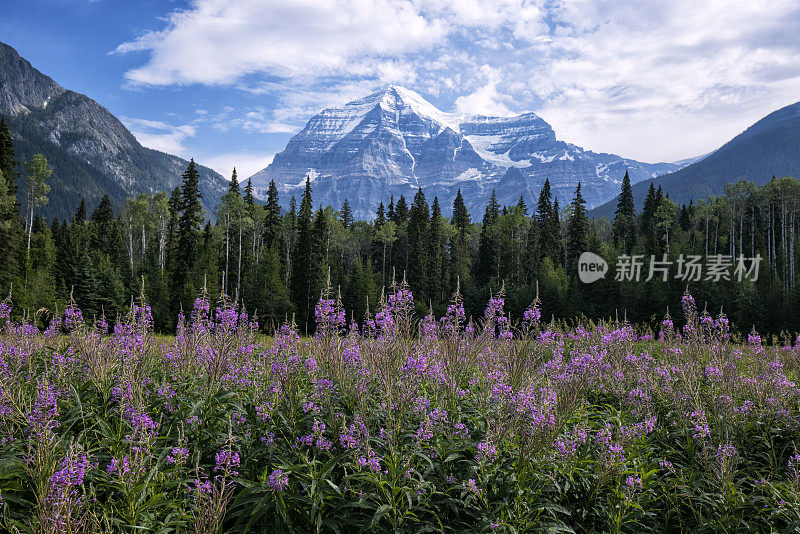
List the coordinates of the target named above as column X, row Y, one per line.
column 394, row 141
column 770, row 147
column 90, row 151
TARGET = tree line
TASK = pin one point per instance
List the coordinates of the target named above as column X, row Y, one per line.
column 276, row 262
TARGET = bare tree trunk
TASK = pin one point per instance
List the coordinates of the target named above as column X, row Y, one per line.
column 239, row 265
column 130, row 243
column 741, row 230
column 30, row 230
column 227, row 248
column 769, row 235
column 716, row 235
column 162, row 236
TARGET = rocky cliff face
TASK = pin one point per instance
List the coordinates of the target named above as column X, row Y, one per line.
column 90, row 151
column 394, row 141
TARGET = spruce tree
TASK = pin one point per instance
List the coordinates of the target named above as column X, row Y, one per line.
column 460, row 214
column 437, row 257
column 233, row 186
column 347, row 214
column 577, row 230
column 189, row 230
column 624, row 230
column 272, row 221
column 544, row 216
column 487, row 260
column 380, row 217
column 249, row 199
column 417, row 246
column 390, row 213
column 648, row 220
column 103, row 228
column 302, row 262
column 80, row 213
column 522, row 206
column 401, row 211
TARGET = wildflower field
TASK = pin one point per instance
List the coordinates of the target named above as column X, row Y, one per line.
column 404, row 426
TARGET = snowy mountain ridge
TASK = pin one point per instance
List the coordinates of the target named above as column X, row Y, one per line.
column 394, row 141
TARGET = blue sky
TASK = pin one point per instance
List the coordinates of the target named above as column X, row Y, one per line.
column 228, row 81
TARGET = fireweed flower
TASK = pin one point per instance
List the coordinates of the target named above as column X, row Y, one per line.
column 486, row 450
column 178, row 455
column 699, row 424
column 471, row 486
column 278, row 480
column 227, row 461
column 725, row 452
column 119, row 467
column 633, row 485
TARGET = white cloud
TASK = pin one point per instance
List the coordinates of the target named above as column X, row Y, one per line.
column 246, row 163
column 159, row 135
column 484, row 100
column 217, row 41
column 652, row 80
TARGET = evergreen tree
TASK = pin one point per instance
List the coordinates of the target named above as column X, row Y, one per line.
column 189, row 228
column 417, row 245
column 401, row 211
column 8, row 159
column 10, row 235
column 103, row 228
column 302, row 262
column 437, row 257
column 268, row 293
column 233, row 186
column 347, row 214
column 460, row 214
column 487, row 261
column 544, row 216
column 523, row 208
column 380, row 218
column 249, row 199
column 577, row 230
column 625, row 217
column 272, row 221
column 80, row 213
column 648, row 222
column 390, row 214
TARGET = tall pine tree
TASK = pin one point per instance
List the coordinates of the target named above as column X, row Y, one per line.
column 302, row 262
column 577, row 231
column 624, row 231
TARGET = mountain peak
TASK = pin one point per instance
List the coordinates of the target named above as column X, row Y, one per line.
column 22, row 87
column 394, row 141
column 89, row 149
column 402, row 100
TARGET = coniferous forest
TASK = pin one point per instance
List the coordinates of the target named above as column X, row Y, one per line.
column 275, row 261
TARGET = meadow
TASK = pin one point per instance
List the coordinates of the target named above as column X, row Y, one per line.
column 436, row 425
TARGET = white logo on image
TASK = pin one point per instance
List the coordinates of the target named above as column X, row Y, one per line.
column 591, row 267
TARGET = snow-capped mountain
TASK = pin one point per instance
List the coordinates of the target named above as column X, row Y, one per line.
column 394, row 141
